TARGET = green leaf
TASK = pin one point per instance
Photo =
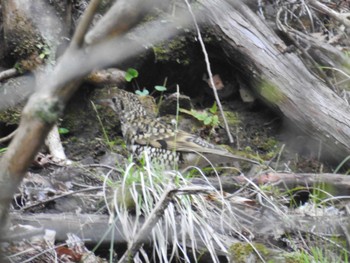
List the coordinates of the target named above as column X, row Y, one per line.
column 186, row 111
column 2, row 150
column 214, row 108
column 63, row 131
column 215, row 121
column 208, row 120
column 203, row 116
column 144, row 92
column 111, row 143
column 160, row 88
column 200, row 115
column 130, row 74
column 18, row 67
column 42, row 56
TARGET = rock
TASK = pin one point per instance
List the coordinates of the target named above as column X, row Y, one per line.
column 169, row 104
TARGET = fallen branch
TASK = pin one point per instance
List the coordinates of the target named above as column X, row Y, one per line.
column 95, row 228
column 339, row 183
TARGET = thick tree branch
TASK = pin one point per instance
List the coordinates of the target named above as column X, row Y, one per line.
column 38, row 116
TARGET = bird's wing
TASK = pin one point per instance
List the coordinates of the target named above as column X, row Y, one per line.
column 186, row 142
column 162, row 135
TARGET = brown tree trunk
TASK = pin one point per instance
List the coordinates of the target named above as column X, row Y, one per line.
column 279, row 78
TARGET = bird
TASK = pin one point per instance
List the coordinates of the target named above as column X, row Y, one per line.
column 163, row 142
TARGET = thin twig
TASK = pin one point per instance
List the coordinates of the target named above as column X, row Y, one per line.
column 8, row 137
column 100, row 165
column 342, row 18
column 218, row 102
column 291, row 32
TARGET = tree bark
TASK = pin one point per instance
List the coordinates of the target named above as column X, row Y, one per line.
column 279, row 78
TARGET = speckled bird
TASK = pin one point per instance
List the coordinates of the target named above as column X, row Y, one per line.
column 162, row 141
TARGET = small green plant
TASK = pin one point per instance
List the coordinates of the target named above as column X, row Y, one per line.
column 2, row 150
column 63, row 131
column 19, row 68
column 144, row 92
column 346, row 159
column 209, row 118
column 131, row 74
column 45, row 51
column 160, row 88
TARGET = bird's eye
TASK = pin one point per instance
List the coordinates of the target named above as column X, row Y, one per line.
column 114, row 100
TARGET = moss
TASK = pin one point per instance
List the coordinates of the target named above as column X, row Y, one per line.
column 240, row 252
column 267, row 147
column 270, row 144
column 11, row 116
column 173, row 50
column 23, row 39
column 271, row 147
column 297, row 257
column 261, row 248
column 231, row 117
column 271, row 93
column 48, row 111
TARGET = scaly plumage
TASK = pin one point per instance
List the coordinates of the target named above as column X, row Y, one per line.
column 160, row 140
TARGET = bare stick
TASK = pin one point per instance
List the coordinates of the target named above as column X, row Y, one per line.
column 147, row 227
column 8, row 137
column 154, row 217
column 210, row 73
